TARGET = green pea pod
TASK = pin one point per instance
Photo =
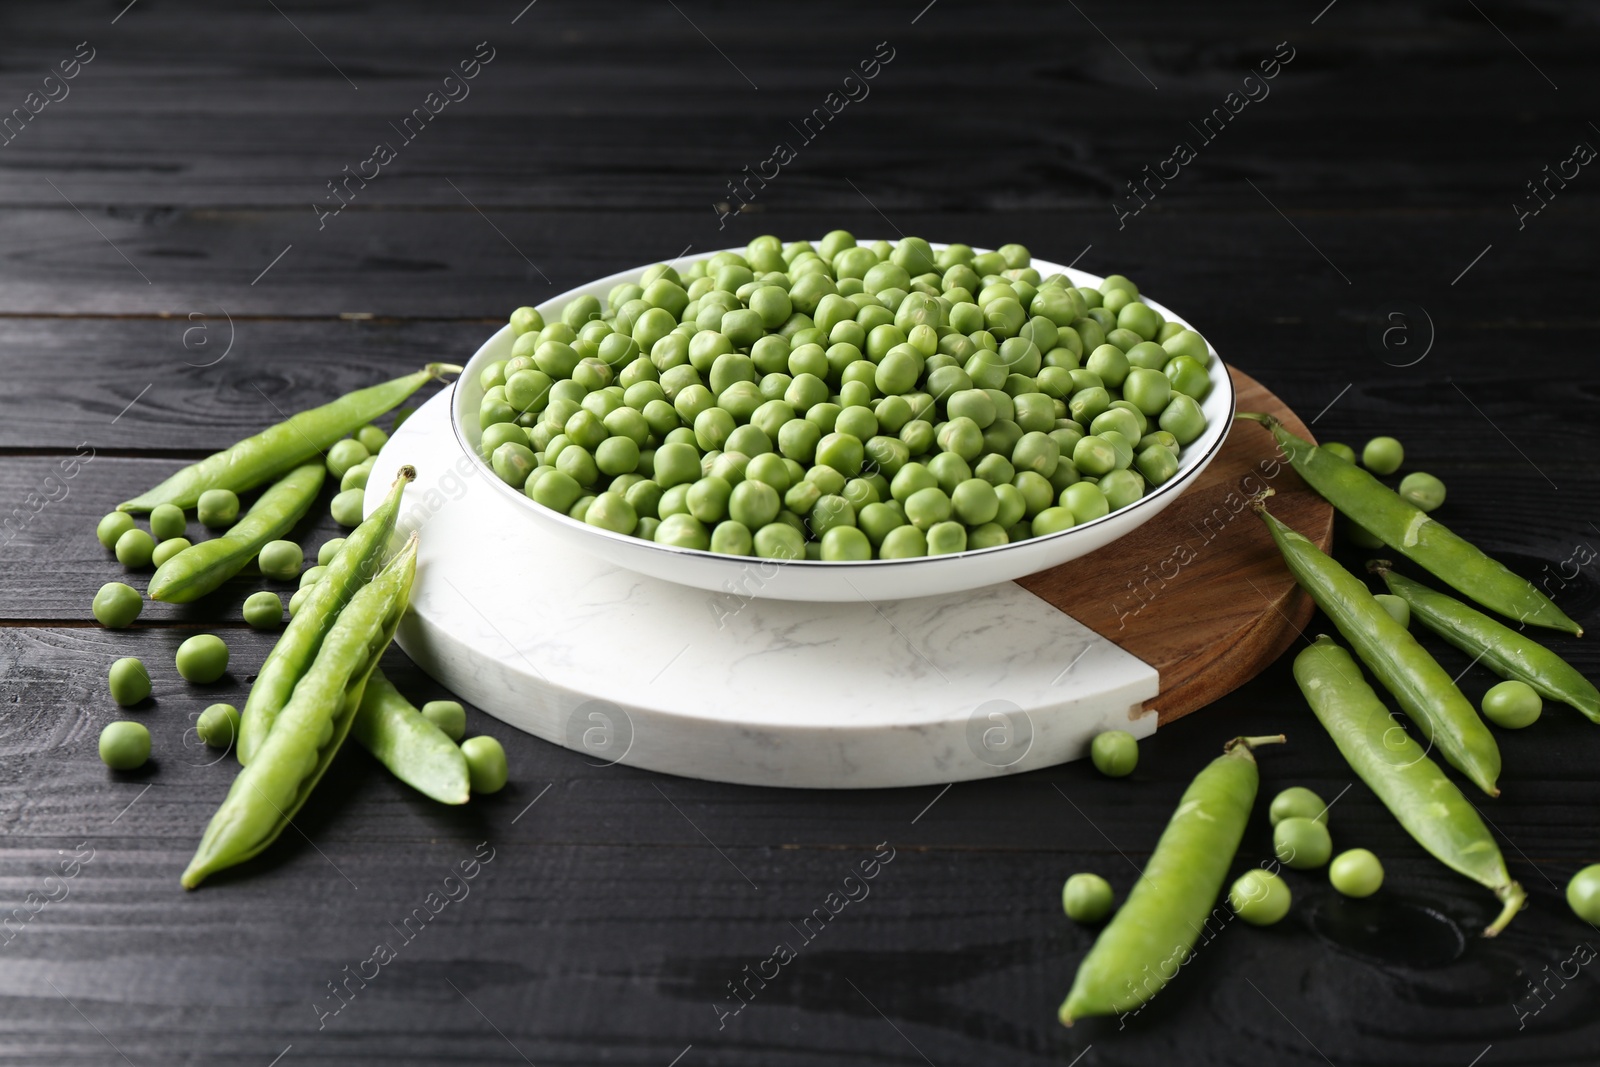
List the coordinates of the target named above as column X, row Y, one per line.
column 1424, row 689
column 272, row 787
column 1152, row 934
column 278, row 448
column 1409, row 531
column 356, row 562
column 199, row 569
column 408, row 743
column 1395, row 767
column 1503, row 650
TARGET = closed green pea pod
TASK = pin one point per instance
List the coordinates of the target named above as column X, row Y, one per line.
column 415, row 750
column 280, row 448
column 1152, row 934
column 1505, row 651
column 1424, row 689
column 199, row 569
column 1395, row 767
column 1409, row 531
column 268, row 791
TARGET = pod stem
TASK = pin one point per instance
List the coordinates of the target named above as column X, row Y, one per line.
column 1250, row 744
column 439, row 370
column 1259, row 501
column 406, row 473
column 1269, row 421
column 1514, row 897
column 1379, row 566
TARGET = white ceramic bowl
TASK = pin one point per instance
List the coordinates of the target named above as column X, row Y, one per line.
column 871, row 580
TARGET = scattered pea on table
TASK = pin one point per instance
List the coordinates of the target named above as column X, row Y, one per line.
column 202, row 659
column 1383, row 455
column 1583, row 894
column 116, row 605
column 130, row 682
column 1356, row 873
column 218, row 725
column 1397, row 608
column 486, row 763
column 1512, row 704
column 1297, row 802
column 167, row 521
column 347, row 507
column 112, row 527
column 1422, row 490
column 1086, row 898
column 217, row 508
column 1260, row 898
column 135, row 549
column 124, row 746
column 1302, row 843
column 1115, row 753
column 263, row 610
column 447, row 715
column 280, row 560
column 165, row 550
column 329, row 549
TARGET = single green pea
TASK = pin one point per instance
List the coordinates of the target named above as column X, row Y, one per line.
column 112, row 527
column 1356, row 873
column 298, row 599
column 1157, row 464
column 447, row 715
column 1260, row 898
column 1396, row 606
column 135, row 549
column 347, row 507
column 218, row 726
column 845, row 543
column 946, row 537
column 1189, row 377
column 130, row 682
column 486, row 764
column 344, row 454
column 1422, row 490
column 1183, row 419
column 779, row 540
column 1337, row 448
column 1302, row 843
column 124, row 746
column 730, row 538
column 1297, row 802
column 311, row 576
column 1383, row 455
column 167, row 521
column 1148, row 390
column 116, row 605
column 165, row 550
column 217, row 508
column 1085, row 501
column 611, row 511
column 1052, row 520
column 329, row 549
column 1115, row 753
column 1086, row 898
column 683, row 530
column 203, row 658
column 1512, row 704
column 372, row 438
column 1094, row 455
column 263, row 610
column 280, row 560
column 1583, row 894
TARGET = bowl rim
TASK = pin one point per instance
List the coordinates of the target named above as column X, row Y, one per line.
column 1221, row 379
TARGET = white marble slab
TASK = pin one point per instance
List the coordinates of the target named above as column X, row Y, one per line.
column 730, row 687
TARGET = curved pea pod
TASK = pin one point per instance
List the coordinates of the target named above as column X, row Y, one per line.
column 1154, row 932
column 1409, row 531
column 1424, row 689
column 356, row 562
column 272, row 787
column 1395, row 767
column 1505, row 651
column 286, row 445
column 199, row 569
column 408, row 743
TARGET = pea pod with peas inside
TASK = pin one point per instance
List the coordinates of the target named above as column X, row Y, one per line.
column 1155, row 930
column 1409, row 531
column 199, row 569
column 1427, row 804
column 286, row 445
column 271, row 788
column 1424, row 689
column 358, row 559
column 415, row 750
column 1500, row 648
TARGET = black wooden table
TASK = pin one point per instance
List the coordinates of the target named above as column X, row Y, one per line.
column 184, row 254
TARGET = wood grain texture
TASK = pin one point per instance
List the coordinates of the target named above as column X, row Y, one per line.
column 1199, row 592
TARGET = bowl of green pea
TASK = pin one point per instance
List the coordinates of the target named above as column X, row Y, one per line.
column 843, row 420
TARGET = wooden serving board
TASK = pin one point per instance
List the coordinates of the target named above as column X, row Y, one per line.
column 1200, row 592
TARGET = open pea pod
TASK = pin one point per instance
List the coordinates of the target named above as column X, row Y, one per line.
column 284, row 446
column 1411, row 532
column 1395, row 767
column 352, row 567
column 408, row 743
column 199, row 569
column 269, row 790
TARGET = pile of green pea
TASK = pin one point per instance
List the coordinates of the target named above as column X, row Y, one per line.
column 845, row 401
